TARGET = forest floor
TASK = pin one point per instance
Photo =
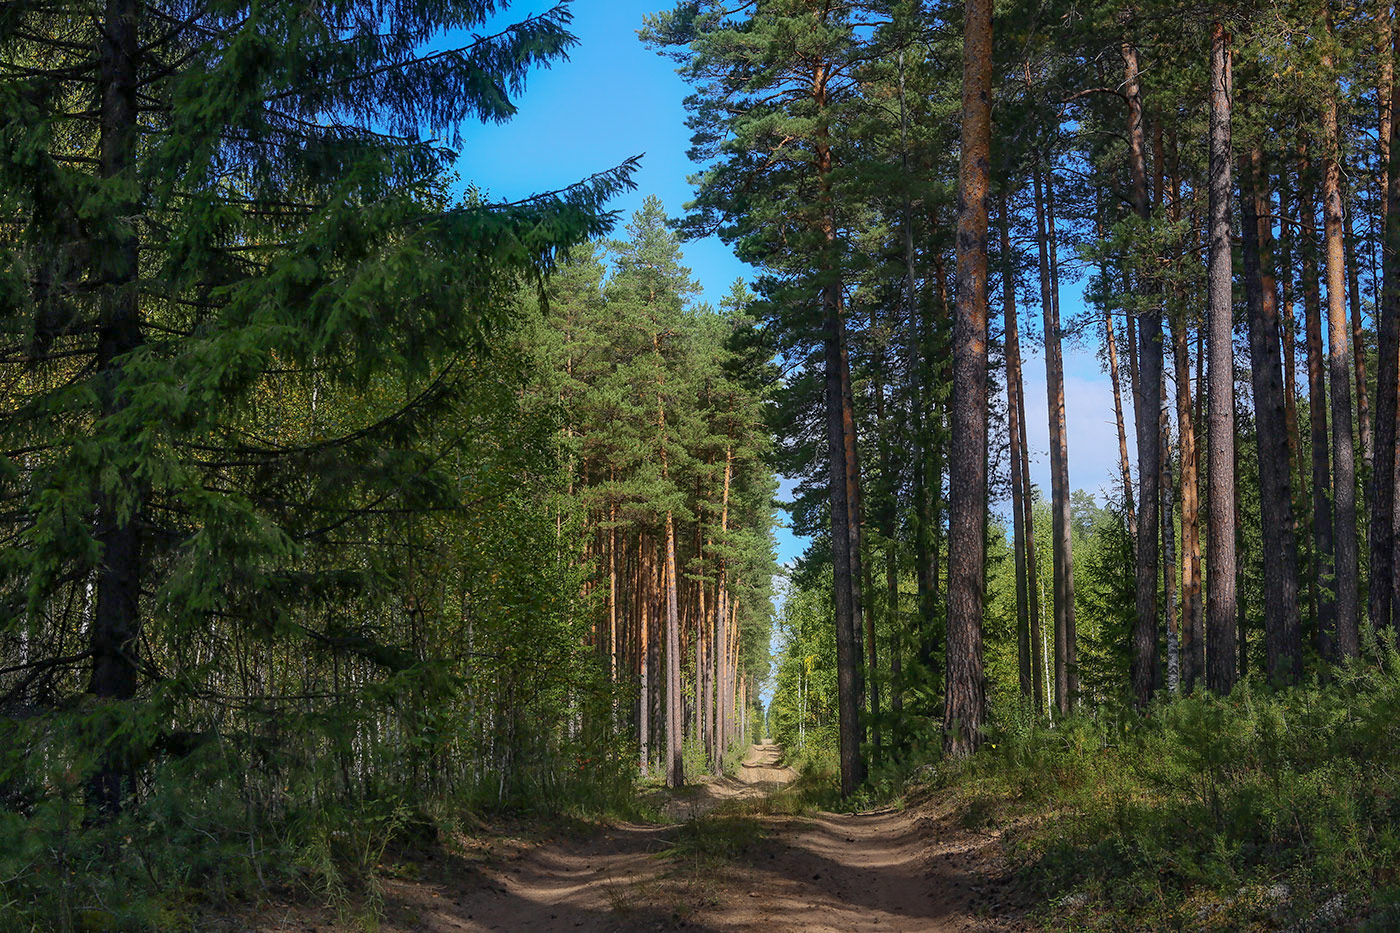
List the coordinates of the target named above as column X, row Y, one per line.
column 727, row 858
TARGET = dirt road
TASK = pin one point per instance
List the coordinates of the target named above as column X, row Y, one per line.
column 735, row 863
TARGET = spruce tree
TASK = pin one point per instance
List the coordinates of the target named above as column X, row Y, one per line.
column 208, row 206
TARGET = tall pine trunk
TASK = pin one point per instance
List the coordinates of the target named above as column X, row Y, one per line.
column 1221, row 658
column 1146, row 394
column 840, row 438
column 675, row 766
column 1288, row 323
column 719, row 641
column 1125, row 470
column 1013, row 412
column 1192, row 635
column 1385, row 589
column 1062, row 560
column 1343, row 454
column 1320, row 577
column 1358, row 342
column 1192, row 610
column 1169, row 549
column 965, row 706
column 1032, row 571
column 1282, row 625
column 644, row 658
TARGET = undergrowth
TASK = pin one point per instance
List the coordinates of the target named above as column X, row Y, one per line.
column 1250, row 811
column 203, row 830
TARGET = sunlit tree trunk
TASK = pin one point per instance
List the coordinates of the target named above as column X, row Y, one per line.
column 1192, row 612
column 720, row 642
column 1339, row 387
column 1221, row 659
column 644, row 583
column 965, row 705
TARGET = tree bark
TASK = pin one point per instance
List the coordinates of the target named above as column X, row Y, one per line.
column 1123, row 463
column 1385, row 589
column 719, row 643
column 1169, row 549
column 1282, row 625
column 1221, row 659
column 1032, row 573
column 925, row 566
column 1290, row 334
column 1358, row 343
column 1146, row 393
column 847, row 646
column 675, row 770
column 840, row 445
column 1062, row 567
column 644, row 660
column 114, row 638
column 1321, row 576
column 1343, row 454
column 1192, row 645
column 1193, row 627
column 966, row 703
column 1013, row 412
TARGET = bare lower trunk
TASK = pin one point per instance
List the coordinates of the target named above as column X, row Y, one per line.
column 966, row 703
column 1146, row 394
column 1013, row 411
column 1169, row 551
column 1062, row 555
column 719, row 641
column 1221, row 660
column 1343, row 454
column 675, row 764
column 1282, row 625
column 1193, row 623
column 1125, row 470
column 612, row 592
column 644, row 659
column 1032, row 572
column 1385, row 589
column 847, row 643
column 1321, row 576
column 1288, row 324
column 1358, row 343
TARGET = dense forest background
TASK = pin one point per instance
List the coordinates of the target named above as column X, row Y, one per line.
column 336, row 504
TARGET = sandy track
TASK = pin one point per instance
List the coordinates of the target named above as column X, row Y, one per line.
column 889, row 870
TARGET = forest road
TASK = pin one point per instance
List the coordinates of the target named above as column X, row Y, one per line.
column 736, row 863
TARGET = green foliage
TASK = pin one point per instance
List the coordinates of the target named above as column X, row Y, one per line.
column 1194, row 814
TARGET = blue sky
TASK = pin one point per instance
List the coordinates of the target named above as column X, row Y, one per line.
column 615, row 98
